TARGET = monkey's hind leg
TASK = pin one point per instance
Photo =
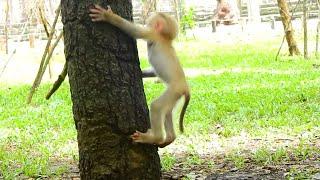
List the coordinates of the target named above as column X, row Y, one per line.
column 170, row 133
column 155, row 134
column 158, row 109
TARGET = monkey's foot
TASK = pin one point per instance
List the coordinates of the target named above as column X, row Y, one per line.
column 168, row 141
column 147, row 138
column 140, row 137
column 164, row 144
column 136, row 136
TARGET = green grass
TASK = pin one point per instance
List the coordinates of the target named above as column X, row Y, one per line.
column 167, row 161
column 255, row 101
column 237, row 158
column 265, row 156
column 259, row 96
column 32, row 136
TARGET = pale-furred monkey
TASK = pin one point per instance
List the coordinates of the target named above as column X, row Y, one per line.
column 160, row 31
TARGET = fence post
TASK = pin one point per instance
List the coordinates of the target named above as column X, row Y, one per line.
column 254, row 10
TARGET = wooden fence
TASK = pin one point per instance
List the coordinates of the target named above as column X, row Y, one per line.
column 203, row 17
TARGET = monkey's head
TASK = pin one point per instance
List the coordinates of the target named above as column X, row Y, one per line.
column 164, row 24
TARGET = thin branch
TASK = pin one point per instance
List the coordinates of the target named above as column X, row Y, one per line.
column 47, row 50
column 6, row 64
column 50, row 52
column 58, row 82
column 39, row 74
column 283, row 39
column 45, row 24
column 44, row 21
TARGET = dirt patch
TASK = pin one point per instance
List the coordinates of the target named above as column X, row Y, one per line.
column 224, row 169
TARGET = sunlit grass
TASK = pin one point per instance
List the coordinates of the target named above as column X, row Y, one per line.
column 167, row 161
column 30, row 136
column 253, row 93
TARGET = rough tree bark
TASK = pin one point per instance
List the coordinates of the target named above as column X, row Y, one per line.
column 109, row 103
column 286, row 21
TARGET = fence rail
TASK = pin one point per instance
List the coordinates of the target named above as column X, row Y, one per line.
column 203, row 17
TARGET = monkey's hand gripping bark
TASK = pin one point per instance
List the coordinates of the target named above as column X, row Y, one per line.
column 98, row 13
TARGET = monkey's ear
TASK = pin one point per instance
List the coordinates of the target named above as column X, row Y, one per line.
column 159, row 26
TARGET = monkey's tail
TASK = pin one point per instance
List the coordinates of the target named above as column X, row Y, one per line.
column 183, row 111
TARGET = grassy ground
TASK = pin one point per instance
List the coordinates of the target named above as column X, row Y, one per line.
column 252, row 112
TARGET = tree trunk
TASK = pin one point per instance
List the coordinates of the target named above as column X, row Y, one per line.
column 6, row 31
column 318, row 28
column 24, row 16
column 109, row 103
column 11, row 13
column 286, row 21
column 239, row 4
column 305, row 30
column 177, row 8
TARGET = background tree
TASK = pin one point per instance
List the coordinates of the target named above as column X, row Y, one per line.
column 318, row 28
column 253, row 7
column 148, row 7
column 24, row 16
column 51, row 7
column 109, row 103
column 305, row 30
column 177, row 4
column 287, row 25
column 6, row 31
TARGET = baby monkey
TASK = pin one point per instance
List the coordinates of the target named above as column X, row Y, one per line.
column 159, row 33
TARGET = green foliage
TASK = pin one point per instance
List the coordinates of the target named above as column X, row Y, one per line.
column 238, row 159
column 187, row 20
column 262, row 156
column 279, row 155
column 304, row 151
column 167, row 161
column 298, row 173
column 194, row 159
column 265, row 156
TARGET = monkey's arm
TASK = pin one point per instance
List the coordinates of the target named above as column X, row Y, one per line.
column 136, row 31
column 133, row 30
